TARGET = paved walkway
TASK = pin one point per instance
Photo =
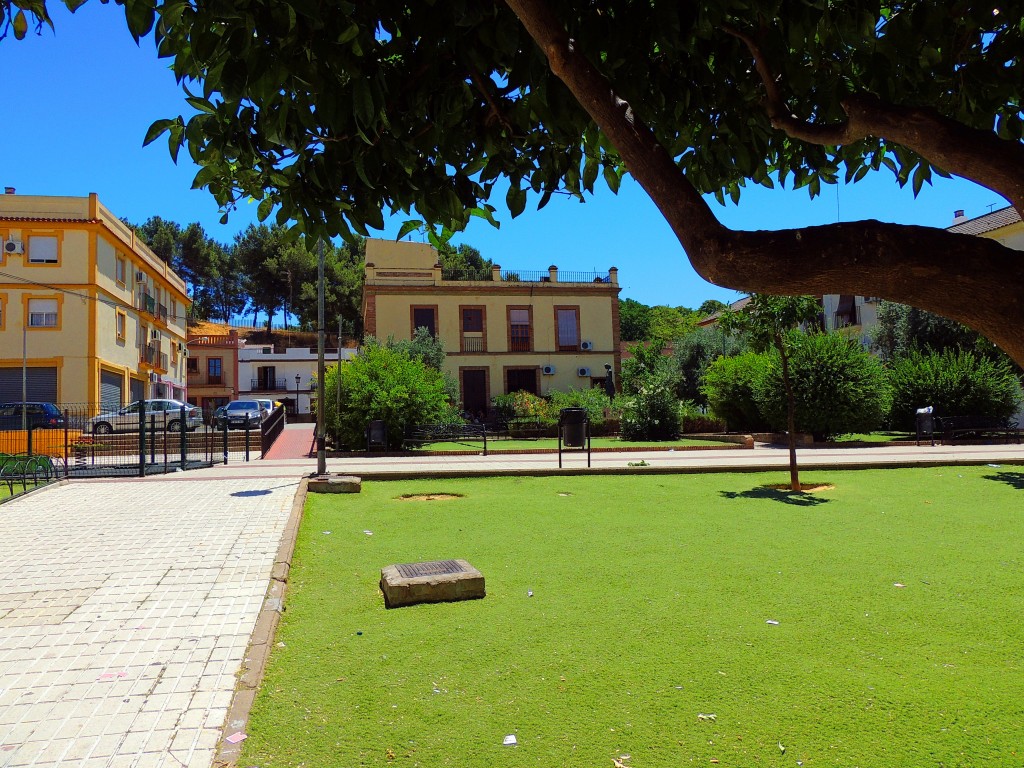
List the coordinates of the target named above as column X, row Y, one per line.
column 294, row 442
column 126, row 606
column 125, row 611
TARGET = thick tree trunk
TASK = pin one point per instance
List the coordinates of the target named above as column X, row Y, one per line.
column 974, row 280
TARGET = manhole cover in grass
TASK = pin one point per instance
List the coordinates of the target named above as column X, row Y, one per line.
column 803, row 487
column 436, row 581
column 433, row 568
column 429, row 496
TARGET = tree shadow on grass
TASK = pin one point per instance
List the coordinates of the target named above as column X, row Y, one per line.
column 796, row 498
column 1016, row 479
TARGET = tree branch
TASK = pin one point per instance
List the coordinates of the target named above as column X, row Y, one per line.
column 977, row 155
column 649, row 163
column 974, row 280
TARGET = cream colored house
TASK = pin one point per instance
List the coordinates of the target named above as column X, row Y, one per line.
column 89, row 311
column 540, row 332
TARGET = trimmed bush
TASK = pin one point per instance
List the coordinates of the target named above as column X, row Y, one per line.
column 383, row 383
column 694, row 421
column 593, row 400
column 838, row 387
column 650, row 409
column 524, row 405
column 954, row 383
column 729, row 386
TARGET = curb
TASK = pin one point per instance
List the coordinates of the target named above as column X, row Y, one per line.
column 445, row 474
column 250, row 675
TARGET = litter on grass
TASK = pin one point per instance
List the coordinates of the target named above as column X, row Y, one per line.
column 707, row 716
column 234, row 738
column 901, row 586
column 529, row 593
column 995, row 466
column 510, row 740
column 773, row 622
column 327, row 533
column 368, row 533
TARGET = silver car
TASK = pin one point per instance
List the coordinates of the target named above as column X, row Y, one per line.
column 165, row 414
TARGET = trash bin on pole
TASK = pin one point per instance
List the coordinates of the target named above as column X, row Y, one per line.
column 925, row 424
column 573, row 431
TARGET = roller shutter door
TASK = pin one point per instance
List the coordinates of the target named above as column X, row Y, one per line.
column 111, row 390
column 42, row 385
column 138, row 389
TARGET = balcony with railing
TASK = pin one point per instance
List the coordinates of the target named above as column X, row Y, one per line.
column 550, row 275
column 149, row 354
column 473, row 344
column 269, row 384
column 161, row 312
column 147, row 303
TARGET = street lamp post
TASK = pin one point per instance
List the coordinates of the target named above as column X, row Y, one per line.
column 298, row 378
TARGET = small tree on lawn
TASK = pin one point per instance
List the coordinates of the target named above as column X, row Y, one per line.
column 770, row 322
column 388, row 384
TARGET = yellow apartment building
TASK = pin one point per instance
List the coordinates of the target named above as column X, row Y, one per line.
column 536, row 331
column 88, row 310
column 212, row 369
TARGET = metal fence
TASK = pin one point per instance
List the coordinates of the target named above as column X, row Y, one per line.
column 83, row 440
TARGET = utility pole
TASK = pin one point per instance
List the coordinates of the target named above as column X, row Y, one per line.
column 321, row 447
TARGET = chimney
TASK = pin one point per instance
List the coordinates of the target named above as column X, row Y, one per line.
column 8, row 190
column 958, row 215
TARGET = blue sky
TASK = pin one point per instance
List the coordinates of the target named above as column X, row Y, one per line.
column 78, row 102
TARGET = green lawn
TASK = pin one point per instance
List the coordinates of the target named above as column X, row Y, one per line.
column 551, row 444
column 651, row 602
column 874, row 437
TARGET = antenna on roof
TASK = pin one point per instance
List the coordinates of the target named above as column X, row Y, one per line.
column 991, row 206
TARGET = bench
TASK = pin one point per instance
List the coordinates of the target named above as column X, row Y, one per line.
column 953, row 428
column 422, row 434
column 22, row 469
column 523, row 427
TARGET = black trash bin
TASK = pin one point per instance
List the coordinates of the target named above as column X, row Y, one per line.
column 925, row 425
column 573, row 431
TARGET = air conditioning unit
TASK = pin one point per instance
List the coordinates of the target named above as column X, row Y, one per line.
column 872, row 299
column 582, row 372
column 14, row 246
column 154, row 334
column 140, row 277
column 586, row 346
column 548, row 370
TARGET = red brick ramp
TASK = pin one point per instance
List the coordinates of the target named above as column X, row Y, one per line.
column 294, row 442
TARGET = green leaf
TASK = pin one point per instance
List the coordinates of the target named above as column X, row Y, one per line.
column 20, row 25
column 611, row 178
column 140, row 16
column 156, row 129
column 515, row 199
column 265, row 207
column 202, row 105
column 921, row 175
column 408, row 226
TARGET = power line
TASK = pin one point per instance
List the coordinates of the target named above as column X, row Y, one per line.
column 115, row 303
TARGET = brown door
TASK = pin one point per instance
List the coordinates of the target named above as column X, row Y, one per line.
column 522, row 379
column 474, row 391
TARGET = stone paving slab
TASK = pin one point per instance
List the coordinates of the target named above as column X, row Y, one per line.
column 125, row 612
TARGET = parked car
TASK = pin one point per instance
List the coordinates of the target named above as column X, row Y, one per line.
column 240, row 413
column 161, row 411
column 37, row 416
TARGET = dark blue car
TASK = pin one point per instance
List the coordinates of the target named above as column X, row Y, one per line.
column 37, row 416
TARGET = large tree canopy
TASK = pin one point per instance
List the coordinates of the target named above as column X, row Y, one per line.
column 334, row 112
